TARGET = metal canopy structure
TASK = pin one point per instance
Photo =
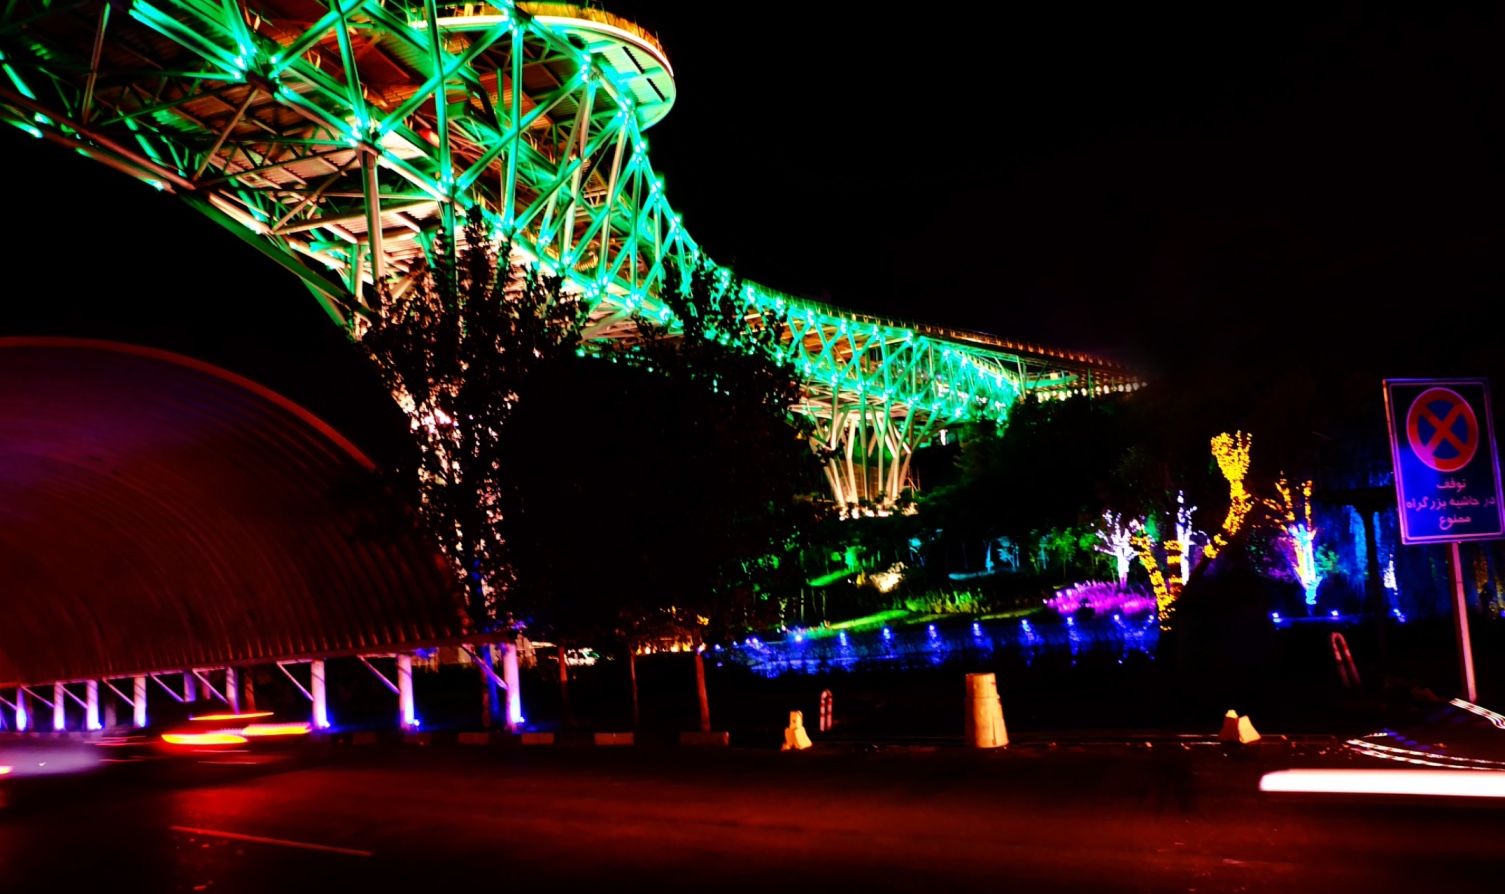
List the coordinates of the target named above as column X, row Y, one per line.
column 158, row 514
column 339, row 136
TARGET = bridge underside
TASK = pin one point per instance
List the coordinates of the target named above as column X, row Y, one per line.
column 339, row 136
column 161, row 514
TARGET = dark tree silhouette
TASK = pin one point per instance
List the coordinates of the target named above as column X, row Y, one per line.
column 668, row 481
column 457, row 351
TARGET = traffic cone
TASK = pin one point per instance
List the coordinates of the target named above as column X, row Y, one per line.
column 1237, row 730
column 795, row 737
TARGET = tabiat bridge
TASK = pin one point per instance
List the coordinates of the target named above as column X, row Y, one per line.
column 339, row 137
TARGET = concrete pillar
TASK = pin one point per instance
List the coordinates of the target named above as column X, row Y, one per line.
column 91, row 705
column 190, row 689
column 249, row 701
column 316, row 689
column 514, row 687
column 59, row 707
column 407, row 716
column 138, row 703
column 23, row 717
column 232, row 691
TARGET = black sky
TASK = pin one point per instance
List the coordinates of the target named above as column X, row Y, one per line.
column 1098, row 178
column 1237, row 185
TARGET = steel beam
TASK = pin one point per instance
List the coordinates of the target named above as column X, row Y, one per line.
column 282, row 666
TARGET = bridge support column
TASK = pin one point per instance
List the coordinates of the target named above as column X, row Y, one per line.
column 514, row 687
column 59, row 708
column 867, row 455
column 190, row 687
column 138, row 703
column 232, row 691
column 91, row 705
column 407, row 714
column 23, row 718
column 320, row 701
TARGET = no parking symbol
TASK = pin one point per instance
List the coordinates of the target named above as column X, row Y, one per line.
column 1447, row 475
column 1442, row 429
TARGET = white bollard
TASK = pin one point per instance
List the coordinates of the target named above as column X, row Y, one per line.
column 985, row 727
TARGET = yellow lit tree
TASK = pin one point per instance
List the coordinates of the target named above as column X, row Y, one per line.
column 1232, row 454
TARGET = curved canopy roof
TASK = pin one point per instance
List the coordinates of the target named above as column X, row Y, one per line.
column 158, row 513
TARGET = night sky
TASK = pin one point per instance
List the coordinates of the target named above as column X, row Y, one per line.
column 1209, row 188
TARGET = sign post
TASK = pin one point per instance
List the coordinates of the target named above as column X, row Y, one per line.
column 1447, row 476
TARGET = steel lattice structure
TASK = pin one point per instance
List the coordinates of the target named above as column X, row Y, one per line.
column 339, row 136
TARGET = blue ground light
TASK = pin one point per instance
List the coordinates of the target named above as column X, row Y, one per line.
column 935, row 644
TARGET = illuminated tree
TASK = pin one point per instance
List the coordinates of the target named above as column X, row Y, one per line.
column 1165, row 594
column 1299, row 533
column 1231, row 451
column 1116, row 537
column 1182, row 550
column 456, row 351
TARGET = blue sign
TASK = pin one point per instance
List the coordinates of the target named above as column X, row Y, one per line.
column 1447, row 473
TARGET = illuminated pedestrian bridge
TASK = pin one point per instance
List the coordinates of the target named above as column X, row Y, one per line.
column 339, row 137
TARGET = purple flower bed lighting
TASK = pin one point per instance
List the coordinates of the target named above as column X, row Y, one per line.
column 1103, row 598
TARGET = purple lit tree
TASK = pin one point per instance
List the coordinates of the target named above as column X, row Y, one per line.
column 1294, row 518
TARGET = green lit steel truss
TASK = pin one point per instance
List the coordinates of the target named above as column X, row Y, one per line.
column 339, row 136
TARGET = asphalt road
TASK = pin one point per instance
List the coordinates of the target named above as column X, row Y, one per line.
column 1034, row 819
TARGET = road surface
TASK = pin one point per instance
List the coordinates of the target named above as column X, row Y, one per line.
column 1033, row 819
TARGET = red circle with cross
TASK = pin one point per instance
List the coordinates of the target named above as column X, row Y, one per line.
column 1455, row 429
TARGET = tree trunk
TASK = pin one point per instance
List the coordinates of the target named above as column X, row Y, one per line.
column 1374, row 583
column 632, row 673
column 1494, row 580
column 566, row 716
column 700, row 696
column 493, row 692
column 486, row 690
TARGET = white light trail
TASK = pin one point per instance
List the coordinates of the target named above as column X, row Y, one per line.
column 1497, row 719
column 1435, row 783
